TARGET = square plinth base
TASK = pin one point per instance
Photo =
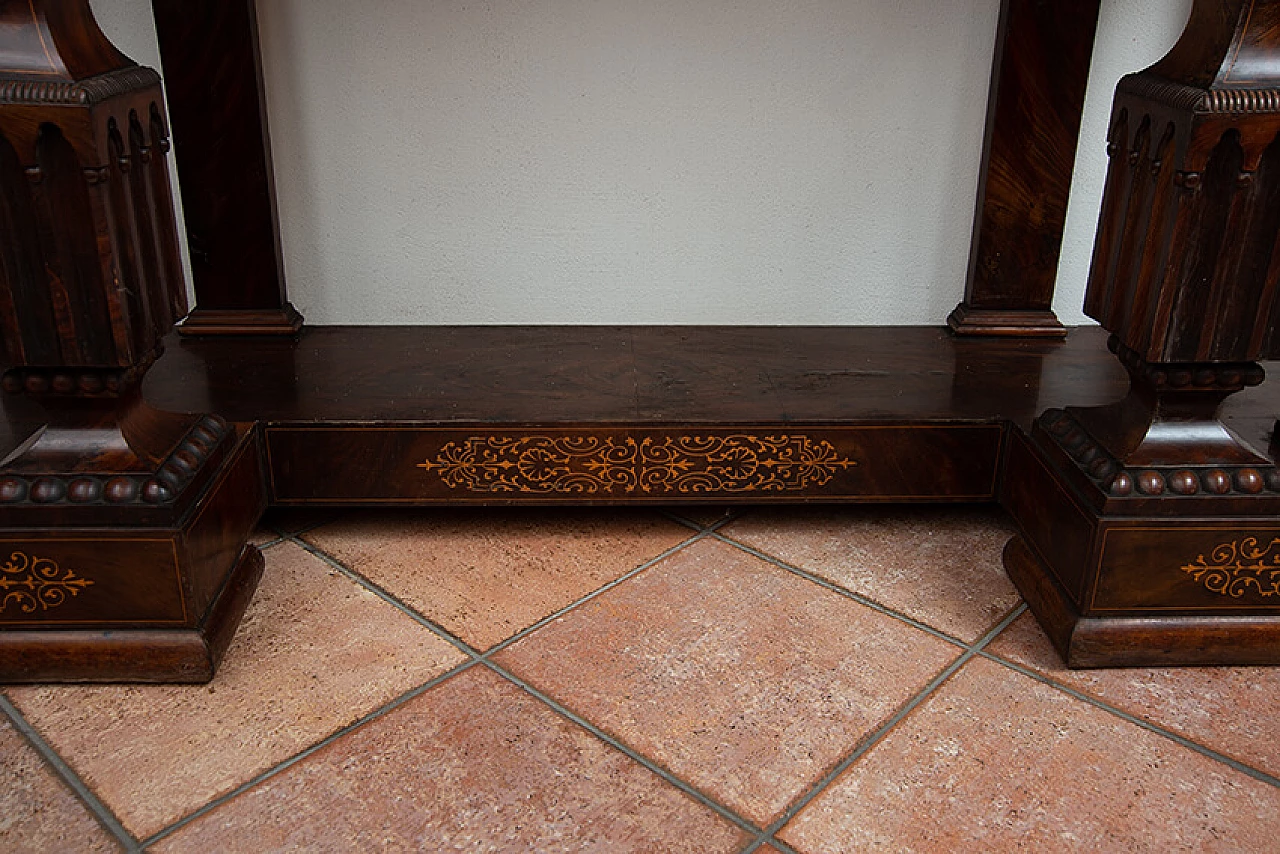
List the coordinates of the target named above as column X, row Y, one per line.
column 1157, row 641
column 146, row 604
column 1138, row 590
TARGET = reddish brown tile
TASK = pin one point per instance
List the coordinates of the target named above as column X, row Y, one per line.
column 745, row 680
column 37, row 811
column 941, row 566
column 486, row 575
column 315, row 652
column 996, row 761
column 1229, row 709
column 474, row 764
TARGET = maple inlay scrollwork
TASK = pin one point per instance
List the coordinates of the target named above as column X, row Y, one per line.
column 679, row 465
column 29, row 583
column 1239, row 567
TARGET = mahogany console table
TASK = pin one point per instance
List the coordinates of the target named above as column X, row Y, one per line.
column 1144, row 483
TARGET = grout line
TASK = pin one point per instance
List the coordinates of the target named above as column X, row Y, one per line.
column 872, row 740
column 476, row 657
column 762, row 841
column 271, row 543
column 387, row 597
column 845, row 592
column 319, row 745
column 69, row 777
column 1261, row 776
column 523, row 633
column 672, row 516
column 732, row 514
column 564, row 711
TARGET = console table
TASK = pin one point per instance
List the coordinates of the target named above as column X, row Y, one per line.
column 1143, row 480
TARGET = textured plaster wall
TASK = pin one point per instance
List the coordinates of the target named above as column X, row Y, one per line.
column 644, row 161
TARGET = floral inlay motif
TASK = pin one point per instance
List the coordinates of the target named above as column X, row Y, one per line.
column 1239, row 567
column 32, row 583
column 589, row 465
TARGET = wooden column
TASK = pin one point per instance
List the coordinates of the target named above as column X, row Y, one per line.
column 214, row 78
column 1150, row 529
column 122, row 528
column 1038, row 81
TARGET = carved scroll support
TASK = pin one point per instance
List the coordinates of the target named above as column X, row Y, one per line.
column 90, row 282
column 1117, row 501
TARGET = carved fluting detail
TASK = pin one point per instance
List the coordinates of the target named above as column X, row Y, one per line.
column 1120, row 482
column 161, row 488
column 29, row 583
column 1238, row 568
column 92, row 90
column 677, row 465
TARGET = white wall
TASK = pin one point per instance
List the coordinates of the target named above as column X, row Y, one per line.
column 644, row 161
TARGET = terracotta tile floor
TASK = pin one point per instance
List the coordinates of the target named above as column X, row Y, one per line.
column 810, row 680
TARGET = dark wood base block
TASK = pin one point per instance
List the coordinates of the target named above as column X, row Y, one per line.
column 1008, row 323
column 147, row 602
column 1155, row 589
column 135, row 655
column 276, row 321
column 1157, row 641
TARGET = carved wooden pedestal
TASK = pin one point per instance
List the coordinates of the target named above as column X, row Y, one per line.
column 1151, row 532
column 122, row 528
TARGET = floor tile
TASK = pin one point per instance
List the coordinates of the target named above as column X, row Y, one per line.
column 37, row 811
column 741, row 678
column 705, row 516
column 997, row 761
column 939, row 565
column 1229, row 709
column 474, row 764
column 262, row 536
column 485, row 575
column 315, row 652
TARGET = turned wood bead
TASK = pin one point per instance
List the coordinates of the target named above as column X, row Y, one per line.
column 47, row 490
column 1249, row 480
column 1102, row 468
column 156, row 492
column 12, row 489
column 121, row 490
column 1122, row 485
column 84, row 489
column 1150, row 482
column 1217, row 481
column 1184, row 482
